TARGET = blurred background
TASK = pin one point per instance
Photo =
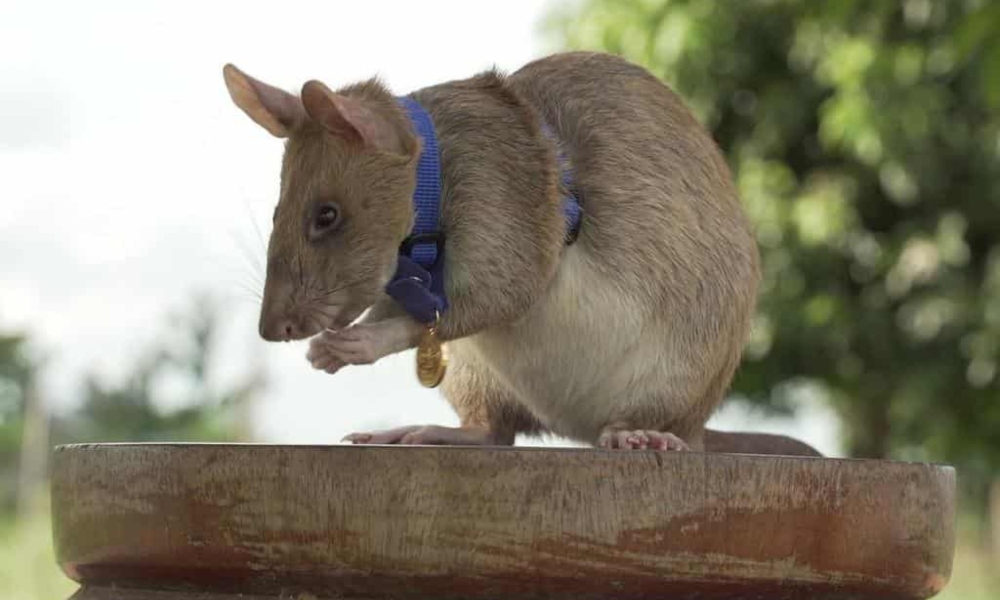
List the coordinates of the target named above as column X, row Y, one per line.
column 135, row 202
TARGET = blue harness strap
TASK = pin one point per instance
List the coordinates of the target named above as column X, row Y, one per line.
column 571, row 205
column 418, row 283
column 427, row 195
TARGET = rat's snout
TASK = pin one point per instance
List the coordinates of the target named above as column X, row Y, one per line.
column 278, row 321
column 279, row 330
column 279, row 324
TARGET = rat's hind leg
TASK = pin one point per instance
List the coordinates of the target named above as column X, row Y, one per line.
column 489, row 413
column 660, row 423
column 669, row 421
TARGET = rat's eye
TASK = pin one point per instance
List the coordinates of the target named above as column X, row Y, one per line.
column 325, row 220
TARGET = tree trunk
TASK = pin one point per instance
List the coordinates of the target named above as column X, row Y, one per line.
column 870, row 432
column 993, row 519
column 34, row 451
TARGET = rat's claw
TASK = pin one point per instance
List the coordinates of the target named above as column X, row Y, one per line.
column 425, row 435
column 640, row 439
column 388, row 436
column 331, row 366
column 320, row 357
column 661, row 440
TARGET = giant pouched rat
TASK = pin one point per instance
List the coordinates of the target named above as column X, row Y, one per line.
column 625, row 334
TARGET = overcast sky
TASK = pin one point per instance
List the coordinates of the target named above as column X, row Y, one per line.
column 130, row 181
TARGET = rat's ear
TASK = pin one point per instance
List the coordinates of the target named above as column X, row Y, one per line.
column 349, row 118
column 273, row 109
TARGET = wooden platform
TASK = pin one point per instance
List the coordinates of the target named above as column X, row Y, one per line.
column 214, row 522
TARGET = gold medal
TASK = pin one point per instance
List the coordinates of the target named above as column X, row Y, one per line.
column 432, row 361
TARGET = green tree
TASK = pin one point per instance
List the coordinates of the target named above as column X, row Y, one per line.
column 17, row 373
column 193, row 407
column 864, row 137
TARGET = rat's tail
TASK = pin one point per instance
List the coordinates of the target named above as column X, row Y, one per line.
column 738, row 442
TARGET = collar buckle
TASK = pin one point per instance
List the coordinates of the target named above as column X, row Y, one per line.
column 407, row 247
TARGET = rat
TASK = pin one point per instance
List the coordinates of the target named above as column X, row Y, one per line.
column 616, row 318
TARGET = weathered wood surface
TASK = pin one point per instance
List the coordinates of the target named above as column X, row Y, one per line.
column 397, row 522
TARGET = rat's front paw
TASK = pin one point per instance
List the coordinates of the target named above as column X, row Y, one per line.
column 323, row 357
column 362, row 344
column 331, row 350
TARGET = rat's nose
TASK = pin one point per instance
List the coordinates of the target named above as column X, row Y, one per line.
column 280, row 319
column 278, row 330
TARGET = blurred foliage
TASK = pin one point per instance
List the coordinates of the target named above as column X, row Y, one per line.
column 17, row 372
column 865, row 138
column 168, row 395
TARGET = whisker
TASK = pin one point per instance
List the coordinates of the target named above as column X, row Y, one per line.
column 232, row 298
column 254, row 292
column 327, row 310
column 240, row 298
column 246, row 276
column 329, row 294
column 253, row 261
column 244, row 281
column 250, row 278
column 244, row 300
column 341, row 285
column 329, row 316
column 319, row 295
column 312, row 321
column 260, row 237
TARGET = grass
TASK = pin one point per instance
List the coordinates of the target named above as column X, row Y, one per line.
column 28, row 569
column 971, row 576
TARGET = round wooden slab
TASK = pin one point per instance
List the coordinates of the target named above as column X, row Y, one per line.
column 159, row 522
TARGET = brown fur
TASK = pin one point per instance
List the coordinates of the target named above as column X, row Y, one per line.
column 346, row 273
column 660, row 285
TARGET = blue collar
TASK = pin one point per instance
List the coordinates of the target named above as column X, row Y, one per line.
column 418, row 284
